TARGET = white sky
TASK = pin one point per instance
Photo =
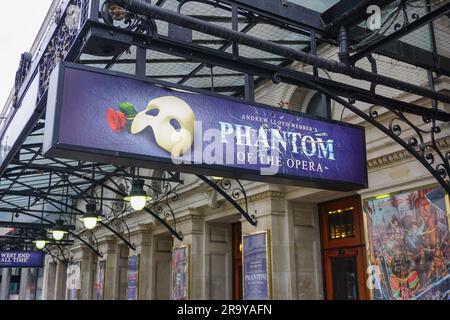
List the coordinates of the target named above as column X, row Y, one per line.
column 19, row 25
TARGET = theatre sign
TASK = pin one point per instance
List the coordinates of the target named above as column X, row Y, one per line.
column 105, row 117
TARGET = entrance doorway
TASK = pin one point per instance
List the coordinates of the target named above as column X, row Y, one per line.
column 343, row 249
column 237, row 260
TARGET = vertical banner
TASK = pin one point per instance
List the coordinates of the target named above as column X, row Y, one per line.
column 133, row 277
column 100, row 280
column 256, row 266
column 74, row 281
column 181, row 273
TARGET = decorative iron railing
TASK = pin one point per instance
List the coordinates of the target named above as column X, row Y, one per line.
column 69, row 24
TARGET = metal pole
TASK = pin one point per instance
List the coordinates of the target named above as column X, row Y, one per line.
column 141, row 7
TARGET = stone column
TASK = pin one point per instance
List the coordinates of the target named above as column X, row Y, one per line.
column 142, row 239
column 4, row 288
column 109, row 248
column 218, row 261
column 307, row 250
column 162, row 267
column 87, row 273
column 192, row 227
column 25, row 279
column 60, row 283
column 48, row 289
column 271, row 213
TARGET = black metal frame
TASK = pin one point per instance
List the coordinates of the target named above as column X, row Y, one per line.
column 222, row 186
column 143, row 34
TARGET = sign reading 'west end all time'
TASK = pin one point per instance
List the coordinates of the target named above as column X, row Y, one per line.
column 105, row 117
column 21, row 259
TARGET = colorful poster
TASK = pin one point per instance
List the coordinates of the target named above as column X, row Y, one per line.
column 133, row 277
column 256, row 266
column 181, row 273
column 74, row 281
column 100, row 280
column 409, row 249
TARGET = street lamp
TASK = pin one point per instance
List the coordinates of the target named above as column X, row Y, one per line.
column 91, row 217
column 42, row 240
column 138, row 197
column 59, row 230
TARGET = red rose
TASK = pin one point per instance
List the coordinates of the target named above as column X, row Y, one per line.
column 116, row 120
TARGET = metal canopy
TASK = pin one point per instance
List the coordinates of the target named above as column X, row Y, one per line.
column 231, row 48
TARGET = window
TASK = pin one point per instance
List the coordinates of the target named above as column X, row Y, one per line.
column 340, row 223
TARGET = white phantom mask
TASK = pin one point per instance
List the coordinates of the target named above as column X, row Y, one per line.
column 172, row 121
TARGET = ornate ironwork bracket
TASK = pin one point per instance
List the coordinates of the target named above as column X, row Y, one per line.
column 90, row 237
column 223, row 185
column 416, row 146
column 163, row 196
column 66, row 258
column 69, row 26
column 54, row 258
column 115, row 15
column 73, row 234
column 132, row 246
column 115, row 221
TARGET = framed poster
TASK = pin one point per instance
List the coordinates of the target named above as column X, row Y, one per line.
column 100, row 280
column 256, row 262
column 74, row 281
column 181, row 267
column 408, row 245
column 133, row 277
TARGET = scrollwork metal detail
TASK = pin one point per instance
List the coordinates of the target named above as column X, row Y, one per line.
column 237, row 192
column 223, row 186
column 89, row 238
column 65, row 34
column 396, row 18
column 117, row 16
column 162, row 201
column 427, row 151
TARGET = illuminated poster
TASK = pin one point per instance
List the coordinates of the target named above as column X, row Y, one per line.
column 74, row 281
column 180, row 273
column 100, row 280
column 133, row 277
column 102, row 117
column 409, row 248
column 256, row 266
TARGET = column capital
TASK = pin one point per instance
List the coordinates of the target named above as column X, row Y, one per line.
column 108, row 244
column 141, row 237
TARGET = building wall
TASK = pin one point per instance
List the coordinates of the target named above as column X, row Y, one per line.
column 290, row 213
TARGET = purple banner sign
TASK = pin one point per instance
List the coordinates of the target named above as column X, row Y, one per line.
column 100, row 280
column 133, row 277
column 256, row 267
column 104, row 117
column 180, row 273
column 21, row 259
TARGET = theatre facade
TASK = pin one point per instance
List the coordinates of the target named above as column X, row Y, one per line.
column 229, row 150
